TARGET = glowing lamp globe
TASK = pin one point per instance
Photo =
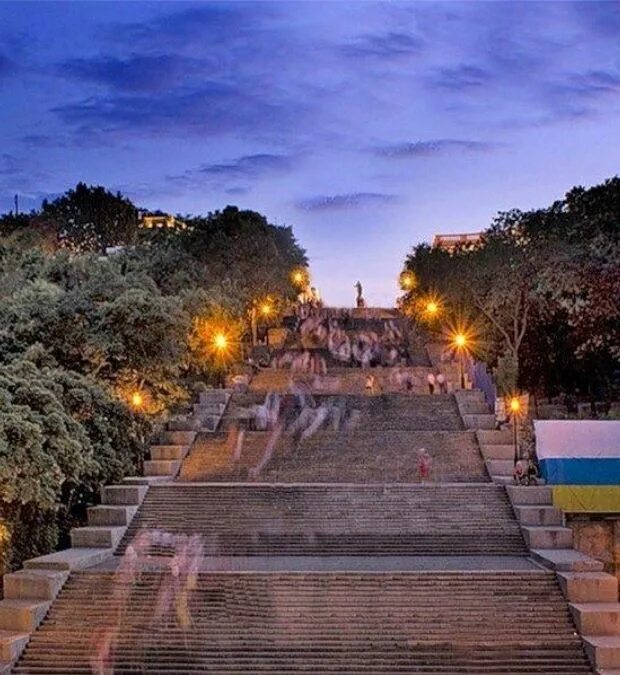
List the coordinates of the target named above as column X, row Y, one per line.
column 407, row 281
column 432, row 308
column 220, row 341
column 460, row 340
column 137, row 399
column 515, row 405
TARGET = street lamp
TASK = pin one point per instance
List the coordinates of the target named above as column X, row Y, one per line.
column 515, row 409
column 407, row 281
column 460, row 342
column 432, row 308
column 220, row 342
column 137, row 400
column 300, row 277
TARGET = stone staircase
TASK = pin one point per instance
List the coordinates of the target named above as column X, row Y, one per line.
column 346, row 623
column 29, row 593
column 592, row 594
column 398, row 425
column 340, row 520
column 480, row 605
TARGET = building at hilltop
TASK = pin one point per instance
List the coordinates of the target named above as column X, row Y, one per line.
column 448, row 242
column 158, row 219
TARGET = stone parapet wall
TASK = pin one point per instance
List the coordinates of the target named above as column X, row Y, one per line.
column 598, row 537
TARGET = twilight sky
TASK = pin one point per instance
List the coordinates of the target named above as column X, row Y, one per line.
column 366, row 126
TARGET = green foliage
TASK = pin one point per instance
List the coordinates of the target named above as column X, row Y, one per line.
column 547, row 284
column 61, row 437
column 81, row 333
column 90, row 218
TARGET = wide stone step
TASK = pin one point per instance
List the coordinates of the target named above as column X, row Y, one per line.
column 33, row 584
column 185, row 424
column 480, row 421
column 177, row 437
column 161, row 467
column 546, row 537
column 12, row 644
column 539, row 515
column 494, row 436
column 163, row 452
column 603, row 650
column 597, row 618
column 118, row 516
column 530, row 495
column 500, row 467
column 497, row 452
column 21, row 615
column 214, row 396
column 70, row 559
column 123, row 495
column 566, row 560
column 241, row 519
column 589, row 586
column 93, row 536
column 435, row 622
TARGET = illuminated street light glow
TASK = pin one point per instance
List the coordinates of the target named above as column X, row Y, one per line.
column 137, row 400
column 515, row 408
column 266, row 309
column 300, row 277
column 407, row 280
column 460, row 340
column 432, row 308
column 220, row 341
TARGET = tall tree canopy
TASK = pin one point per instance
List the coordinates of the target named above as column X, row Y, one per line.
column 90, row 218
column 546, row 284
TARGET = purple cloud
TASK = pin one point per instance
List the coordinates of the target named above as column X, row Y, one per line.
column 433, row 147
column 136, row 72
column 461, row 78
column 384, row 46
column 353, row 200
column 249, row 166
column 210, row 110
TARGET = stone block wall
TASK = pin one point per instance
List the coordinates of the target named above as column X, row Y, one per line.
column 598, row 537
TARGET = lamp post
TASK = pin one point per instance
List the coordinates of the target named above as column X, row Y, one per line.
column 460, row 342
column 515, row 407
column 266, row 310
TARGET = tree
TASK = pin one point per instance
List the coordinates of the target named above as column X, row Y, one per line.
column 89, row 218
column 61, row 438
column 547, row 283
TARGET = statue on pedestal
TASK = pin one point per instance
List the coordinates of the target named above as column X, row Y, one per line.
column 359, row 301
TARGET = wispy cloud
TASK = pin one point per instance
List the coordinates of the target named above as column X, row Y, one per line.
column 209, row 110
column 135, row 72
column 461, row 78
column 352, row 200
column 209, row 23
column 434, row 147
column 249, row 166
column 384, row 46
column 241, row 172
